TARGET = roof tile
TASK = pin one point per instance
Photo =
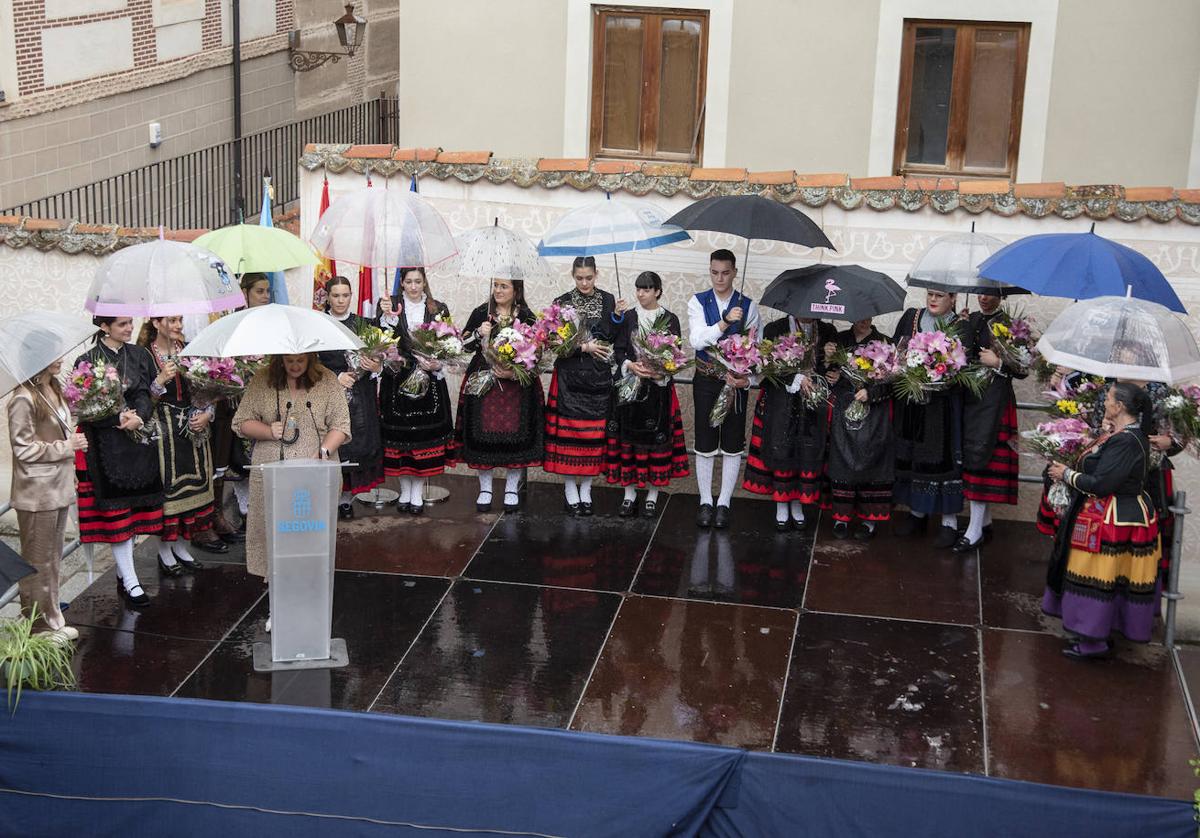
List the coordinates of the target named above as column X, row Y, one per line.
column 370, row 152
column 10, row 220
column 420, row 155
column 43, row 224
column 666, row 169
column 184, row 235
column 983, row 187
column 773, row 178
column 562, row 164
column 1149, row 193
column 822, row 179
column 877, row 183
column 614, row 167
column 94, row 229
column 724, row 175
column 1054, row 189
column 137, row 232
column 468, row 158
column 1189, row 196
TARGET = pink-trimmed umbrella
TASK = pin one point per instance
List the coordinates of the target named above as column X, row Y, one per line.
column 162, row 278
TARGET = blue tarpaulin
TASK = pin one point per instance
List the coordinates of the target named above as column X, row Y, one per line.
column 83, row 764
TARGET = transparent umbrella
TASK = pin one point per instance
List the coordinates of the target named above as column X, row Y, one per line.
column 33, row 340
column 383, row 228
column 1122, row 337
column 951, row 263
column 496, row 253
column 159, row 279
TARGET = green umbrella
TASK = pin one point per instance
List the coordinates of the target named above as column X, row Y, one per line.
column 249, row 248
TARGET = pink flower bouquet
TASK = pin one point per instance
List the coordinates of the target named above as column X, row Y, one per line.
column 875, row 362
column 1064, row 441
column 514, row 348
column 739, row 355
column 933, row 361
column 94, row 391
column 439, row 340
column 657, row 349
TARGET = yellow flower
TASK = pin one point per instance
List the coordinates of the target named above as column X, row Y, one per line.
column 1000, row 330
column 1067, row 406
column 564, row 331
column 505, row 349
column 862, row 363
column 669, row 366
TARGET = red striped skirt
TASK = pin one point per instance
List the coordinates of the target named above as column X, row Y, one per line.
column 110, row 526
column 997, row 483
column 574, row 445
column 429, row 461
column 630, row 463
column 188, row 525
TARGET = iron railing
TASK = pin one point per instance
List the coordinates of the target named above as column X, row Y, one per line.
column 197, row 190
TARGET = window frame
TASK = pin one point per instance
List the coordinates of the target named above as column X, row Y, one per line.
column 652, row 18
column 956, row 135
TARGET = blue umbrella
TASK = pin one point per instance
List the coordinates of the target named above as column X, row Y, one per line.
column 1080, row 266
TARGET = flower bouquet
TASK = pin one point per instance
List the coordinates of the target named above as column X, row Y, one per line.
column 1178, row 413
column 658, row 349
column 561, row 332
column 737, row 354
column 515, row 348
column 378, row 345
column 439, row 340
column 1064, row 441
column 1014, row 341
column 933, row 361
column 211, row 379
column 875, row 362
column 94, row 391
column 1076, row 400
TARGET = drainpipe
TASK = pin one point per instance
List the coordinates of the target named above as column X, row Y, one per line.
column 238, row 207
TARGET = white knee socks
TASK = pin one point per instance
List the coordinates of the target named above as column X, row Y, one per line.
column 406, row 490
column 704, row 472
column 123, row 556
column 979, row 510
column 630, row 492
column 485, row 486
column 571, row 486
column 797, row 511
column 159, row 546
column 512, row 481
column 585, row 489
column 652, row 494
column 781, row 512
column 416, row 495
column 949, row 519
column 241, row 491
column 731, row 466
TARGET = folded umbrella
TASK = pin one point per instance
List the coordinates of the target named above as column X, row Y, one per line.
column 160, row 279
column 12, row 568
column 272, row 329
column 33, row 340
column 1122, row 337
column 1080, row 266
column 835, row 292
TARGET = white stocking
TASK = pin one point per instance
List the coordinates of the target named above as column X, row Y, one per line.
column 123, row 556
column 731, row 466
column 704, row 472
column 571, row 485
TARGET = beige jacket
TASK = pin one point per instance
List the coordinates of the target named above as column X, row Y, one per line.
column 43, row 474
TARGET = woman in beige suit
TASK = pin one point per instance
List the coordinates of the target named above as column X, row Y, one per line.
column 43, row 488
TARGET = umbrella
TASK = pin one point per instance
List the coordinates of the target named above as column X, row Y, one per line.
column 752, row 217
column 159, row 279
column 385, row 228
column 250, row 248
column 951, row 264
column 33, row 340
column 838, row 292
column 496, row 253
column 12, row 567
column 609, row 226
column 1080, row 266
column 1122, row 337
column 272, row 329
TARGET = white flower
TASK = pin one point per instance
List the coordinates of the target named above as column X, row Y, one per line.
column 506, row 335
column 452, row 346
column 1173, row 402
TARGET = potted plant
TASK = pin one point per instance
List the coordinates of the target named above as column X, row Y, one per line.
column 40, row 660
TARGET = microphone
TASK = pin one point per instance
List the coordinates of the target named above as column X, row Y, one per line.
column 286, row 410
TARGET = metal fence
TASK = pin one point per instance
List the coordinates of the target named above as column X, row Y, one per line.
column 197, row 189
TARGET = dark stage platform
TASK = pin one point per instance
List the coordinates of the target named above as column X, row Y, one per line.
column 889, row 652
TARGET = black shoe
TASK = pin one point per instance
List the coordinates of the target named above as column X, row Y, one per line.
column 345, row 510
column 585, row 509
column 484, row 506
column 987, row 533
column 215, row 546
column 945, row 537
column 1073, row 651
column 841, row 529
column 416, row 509
column 136, row 600
column 169, row 570
column 628, row 509
column 912, row 525
column 704, row 518
column 514, row 504
column 571, row 508
column 800, row 526
column 721, row 519
column 782, row 526
column 964, row 546
column 192, row 566
column 650, row 508
column 864, row 533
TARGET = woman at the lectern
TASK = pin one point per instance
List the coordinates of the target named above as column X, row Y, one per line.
column 296, row 409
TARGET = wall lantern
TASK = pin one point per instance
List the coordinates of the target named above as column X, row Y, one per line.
column 350, row 30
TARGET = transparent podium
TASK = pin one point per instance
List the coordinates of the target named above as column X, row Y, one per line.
column 300, row 500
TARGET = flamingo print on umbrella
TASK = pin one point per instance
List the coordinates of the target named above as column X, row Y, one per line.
column 831, row 288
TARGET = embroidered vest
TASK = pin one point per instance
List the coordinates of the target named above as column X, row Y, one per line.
column 713, row 314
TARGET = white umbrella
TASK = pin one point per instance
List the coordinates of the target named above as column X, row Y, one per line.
column 33, row 340
column 609, row 226
column 1122, row 337
column 951, row 263
column 159, row 279
column 383, row 228
column 496, row 253
column 272, row 329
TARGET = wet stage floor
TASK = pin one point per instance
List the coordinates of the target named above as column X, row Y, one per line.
column 889, row 652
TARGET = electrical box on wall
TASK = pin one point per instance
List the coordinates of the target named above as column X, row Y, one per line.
column 156, row 135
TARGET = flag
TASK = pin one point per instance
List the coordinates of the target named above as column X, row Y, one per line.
column 325, row 269
column 279, row 292
column 366, row 284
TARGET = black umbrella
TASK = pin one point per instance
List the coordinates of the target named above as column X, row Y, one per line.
column 12, row 567
column 752, row 217
column 834, row 292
